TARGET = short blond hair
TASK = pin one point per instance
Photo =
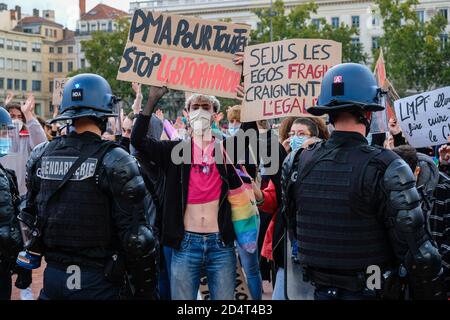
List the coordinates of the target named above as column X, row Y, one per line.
column 202, row 97
column 234, row 113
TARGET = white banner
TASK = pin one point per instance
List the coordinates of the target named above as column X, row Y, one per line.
column 425, row 118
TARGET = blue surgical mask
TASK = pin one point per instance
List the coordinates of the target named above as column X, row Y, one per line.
column 297, row 142
column 233, row 130
column 5, row 146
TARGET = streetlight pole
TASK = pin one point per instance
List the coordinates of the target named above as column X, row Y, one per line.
column 271, row 25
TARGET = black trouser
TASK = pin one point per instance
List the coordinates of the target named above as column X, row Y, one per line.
column 5, row 285
column 59, row 284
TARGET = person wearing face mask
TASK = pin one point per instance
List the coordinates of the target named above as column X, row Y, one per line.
column 302, row 129
column 10, row 237
column 196, row 214
column 234, row 119
column 28, row 134
column 353, row 206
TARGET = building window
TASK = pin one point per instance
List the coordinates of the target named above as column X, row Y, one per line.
column 51, row 67
column 2, row 63
column 375, row 42
column 17, row 84
column 110, row 26
column 335, row 22
column 444, row 40
column 355, row 21
column 83, row 63
column 51, row 50
column 93, row 27
column 50, row 85
column 24, row 85
column 24, row 46
column 38, row 109
column 16, row 65
column 36, row 66
column 375, row 21
column 70, row 66
column 36, row 85
column 70, row 49
column 24, row 66
column 421, row 16
column 444, row 12
column 2, row 83
column 60, row 67
column 16, row 45
column 355, row 42
column 9, row 84
column 36, row 47
column 46, row 32
column 9, row 44
column 315, row 22
column 54, row 34
column 9, row 64
column 104, row 26
column 2, row 43
column 60, row 50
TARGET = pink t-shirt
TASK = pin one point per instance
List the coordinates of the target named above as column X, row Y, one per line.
column 205, row 183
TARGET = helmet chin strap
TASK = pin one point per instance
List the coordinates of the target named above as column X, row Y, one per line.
column 364, row 118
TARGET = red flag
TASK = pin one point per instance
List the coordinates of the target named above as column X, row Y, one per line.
column 380, row 74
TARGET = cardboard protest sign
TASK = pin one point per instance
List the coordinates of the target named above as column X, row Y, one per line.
column 183, row 53
column 58, row 88
column 425, row 118
column 283, row 78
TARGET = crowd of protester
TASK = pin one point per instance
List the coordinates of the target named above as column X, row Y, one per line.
column 150, row 136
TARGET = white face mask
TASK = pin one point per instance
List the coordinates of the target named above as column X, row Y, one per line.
column 18, row 123
column 200, row 120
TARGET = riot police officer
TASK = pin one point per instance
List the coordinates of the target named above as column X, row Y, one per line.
column 10, row 238
column 355, row 208
column 86, row 206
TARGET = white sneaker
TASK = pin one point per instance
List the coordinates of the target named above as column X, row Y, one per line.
column 26, row 294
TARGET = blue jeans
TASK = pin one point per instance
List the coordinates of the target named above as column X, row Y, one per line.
column 206, row 253
column 93, row 285
column 325, row 293
column 250, row 263
column 278, row 290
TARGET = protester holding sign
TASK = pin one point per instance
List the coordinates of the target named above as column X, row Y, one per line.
column 196, row 213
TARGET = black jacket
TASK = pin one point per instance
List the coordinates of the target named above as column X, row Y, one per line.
column 177, row 182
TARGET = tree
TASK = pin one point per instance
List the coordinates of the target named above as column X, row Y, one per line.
column 416, row 59
column 104, row 53
column 298, row 24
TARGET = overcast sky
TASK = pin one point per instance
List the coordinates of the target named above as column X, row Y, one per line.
column 66, row 11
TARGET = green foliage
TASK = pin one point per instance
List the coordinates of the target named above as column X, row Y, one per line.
column 415, row 57
column 297, row 24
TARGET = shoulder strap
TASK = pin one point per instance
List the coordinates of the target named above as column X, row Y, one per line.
column 83, row 157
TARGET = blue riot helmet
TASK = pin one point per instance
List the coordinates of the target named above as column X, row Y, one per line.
column 6, row 126
column 87, row 95
column 348, row 87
